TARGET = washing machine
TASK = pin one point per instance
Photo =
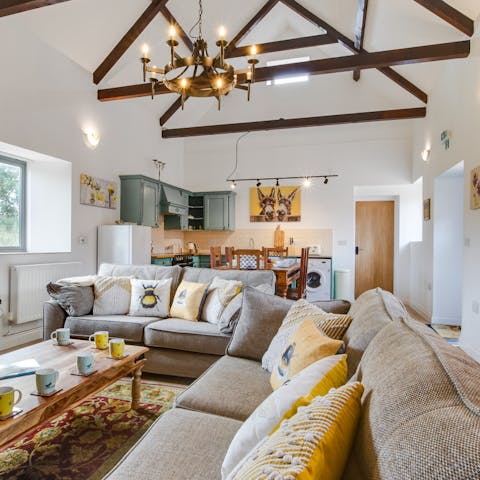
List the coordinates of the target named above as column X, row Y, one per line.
column 319, row 279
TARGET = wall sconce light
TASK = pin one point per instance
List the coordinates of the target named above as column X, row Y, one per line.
column 92, row 139
column 425, row 154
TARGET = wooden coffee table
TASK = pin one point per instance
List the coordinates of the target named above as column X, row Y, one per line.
column 74, row 388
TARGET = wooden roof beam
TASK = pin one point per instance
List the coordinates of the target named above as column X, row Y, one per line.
column 382, row 115
column 350, row 45
column 180, row 31
column 360, row 31
column 449, row 14
column 11, row 7
column 127, row 40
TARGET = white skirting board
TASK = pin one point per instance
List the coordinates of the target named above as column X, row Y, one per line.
column 17, row 339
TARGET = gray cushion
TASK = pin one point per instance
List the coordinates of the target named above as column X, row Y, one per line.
column 74, row 299
column 231, row 387
column 181, row 445
column 178, row 334
column 420, row 408
column 334, row 306
column 259, row 321
column 122, row 326
column 143, row 272
column 369, row 317
column 252, row 278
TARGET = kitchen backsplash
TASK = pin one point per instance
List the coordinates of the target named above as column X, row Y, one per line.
column 241, row 238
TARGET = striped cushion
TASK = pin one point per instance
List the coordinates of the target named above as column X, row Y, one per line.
column 313, row 444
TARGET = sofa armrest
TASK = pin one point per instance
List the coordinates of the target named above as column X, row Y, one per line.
column 340, row 307
column 53, row 317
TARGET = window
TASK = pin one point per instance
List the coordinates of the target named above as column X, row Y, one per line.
column 288, row 79
column 12, row 204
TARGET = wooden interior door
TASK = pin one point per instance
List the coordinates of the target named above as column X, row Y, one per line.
column 375, row 225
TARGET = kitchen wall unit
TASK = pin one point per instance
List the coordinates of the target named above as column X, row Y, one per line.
column 144, row 198
column 139, row 200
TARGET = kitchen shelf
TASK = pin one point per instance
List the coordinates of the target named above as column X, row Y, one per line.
column 195, row 206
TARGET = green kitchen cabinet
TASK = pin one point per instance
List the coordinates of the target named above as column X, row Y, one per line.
column 219, row 211
column 164, row 262
column 139, row 200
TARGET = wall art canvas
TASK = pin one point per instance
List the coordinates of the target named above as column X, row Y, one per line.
column 426, row 210
column 275, row 204
column 97, row 192
column 475, row 188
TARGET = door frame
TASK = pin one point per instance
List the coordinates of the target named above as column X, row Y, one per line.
column 396, row 229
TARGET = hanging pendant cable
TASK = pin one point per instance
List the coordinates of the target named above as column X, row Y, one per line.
column 236, row 154
column 198, row 23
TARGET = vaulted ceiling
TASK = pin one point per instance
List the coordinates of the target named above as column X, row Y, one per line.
column 86, row 31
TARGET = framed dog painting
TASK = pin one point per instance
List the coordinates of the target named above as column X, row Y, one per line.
column 275, row 204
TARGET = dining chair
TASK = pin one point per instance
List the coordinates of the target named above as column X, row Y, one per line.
column 216, row 258
column 299, row 291
column 248, row 259
column 275, row 252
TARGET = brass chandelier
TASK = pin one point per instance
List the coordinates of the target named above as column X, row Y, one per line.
column 199, row 75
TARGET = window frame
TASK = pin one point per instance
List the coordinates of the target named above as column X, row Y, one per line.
column 22, row 211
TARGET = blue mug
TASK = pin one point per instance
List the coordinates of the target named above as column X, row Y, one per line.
column 46, row 379
column 85, row 363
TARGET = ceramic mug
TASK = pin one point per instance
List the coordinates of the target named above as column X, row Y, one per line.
column 85, row 363
column 117, row 347
column 46, row 379
column 100, row 339
column 61, row 335
column 7, row 400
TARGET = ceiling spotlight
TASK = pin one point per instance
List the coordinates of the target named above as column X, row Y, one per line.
column 233, row 185
column 258, row 182
column 277, row 184
column 307, row 182
column 326, row 180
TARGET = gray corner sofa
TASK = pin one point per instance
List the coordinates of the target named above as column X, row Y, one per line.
column 177, row 347
column 420, row 408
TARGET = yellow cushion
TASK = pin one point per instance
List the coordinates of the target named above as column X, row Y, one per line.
column 188, row 300
column 313, row 444
column 307, row 345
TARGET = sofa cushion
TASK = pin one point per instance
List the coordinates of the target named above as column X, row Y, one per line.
column 231, row 387
column 74, row 299
column 259, row 321
column 122, row 326
column 420, row 410
column 372, row 311
column 251, row 278
column 179, row 334
column 147, row 272
column 181, row 445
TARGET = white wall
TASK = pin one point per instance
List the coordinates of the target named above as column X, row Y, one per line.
column 448, row 250
column 454, row 105
column 377, row 154
column 45, row 102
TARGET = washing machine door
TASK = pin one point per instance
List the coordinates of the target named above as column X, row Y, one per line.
column 315, row 280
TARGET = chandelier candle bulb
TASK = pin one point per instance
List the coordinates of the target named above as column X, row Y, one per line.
column 145, row 50
column 172, row 31
column 222, row 32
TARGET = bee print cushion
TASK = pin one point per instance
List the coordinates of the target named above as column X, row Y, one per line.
column 150, row 298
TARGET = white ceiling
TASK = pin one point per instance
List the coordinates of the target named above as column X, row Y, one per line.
column 86, row 30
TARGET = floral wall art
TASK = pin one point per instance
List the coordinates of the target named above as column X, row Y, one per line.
column 475, row 189
column 97, row 192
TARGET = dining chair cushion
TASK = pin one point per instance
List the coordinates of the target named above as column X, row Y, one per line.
column 260, row 319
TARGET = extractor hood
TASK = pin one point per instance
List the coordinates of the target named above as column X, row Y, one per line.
column 172, row 201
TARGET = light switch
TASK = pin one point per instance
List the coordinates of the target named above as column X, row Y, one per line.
column 82, row 239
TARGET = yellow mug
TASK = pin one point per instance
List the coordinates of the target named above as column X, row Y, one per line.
column 100, row 339
column 117, row 347
column 7, row 400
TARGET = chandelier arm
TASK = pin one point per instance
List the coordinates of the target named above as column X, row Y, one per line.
column 180, row 74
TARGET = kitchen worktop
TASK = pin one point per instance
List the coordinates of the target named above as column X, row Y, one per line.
column 171, row 255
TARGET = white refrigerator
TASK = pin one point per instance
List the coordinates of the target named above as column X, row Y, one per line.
column 124, row 244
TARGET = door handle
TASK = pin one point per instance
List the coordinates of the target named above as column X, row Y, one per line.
column 356, row 250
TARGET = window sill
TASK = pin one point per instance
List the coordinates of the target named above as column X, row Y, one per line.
column 19, row 252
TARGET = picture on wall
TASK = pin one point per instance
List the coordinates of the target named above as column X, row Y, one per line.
column 275, row 204
column 426, row 210
column 475, row 188
column 97, row 192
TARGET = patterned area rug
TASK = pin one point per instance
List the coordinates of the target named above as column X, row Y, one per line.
column 87, row 441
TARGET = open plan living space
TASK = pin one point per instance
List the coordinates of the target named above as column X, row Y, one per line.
column 239, row 240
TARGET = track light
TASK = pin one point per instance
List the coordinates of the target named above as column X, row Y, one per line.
column 233, row 185
column 326, row 180
column 258, row 182
column 307, row 182
column 278, row 183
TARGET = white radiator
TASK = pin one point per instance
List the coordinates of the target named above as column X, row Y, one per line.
column 28, row 287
